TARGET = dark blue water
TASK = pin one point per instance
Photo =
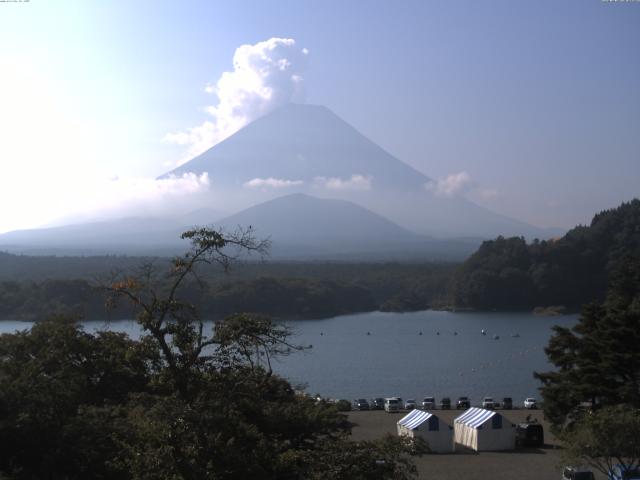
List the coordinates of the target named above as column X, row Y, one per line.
column 395, row 360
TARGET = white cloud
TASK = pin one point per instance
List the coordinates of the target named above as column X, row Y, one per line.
column 272, row 183
column 356, row 182
column 153, row 189
column 130, row 196
column 488, row 193
column 460, row 184
column 83, row 198
column 454, row 184
column 265, row 76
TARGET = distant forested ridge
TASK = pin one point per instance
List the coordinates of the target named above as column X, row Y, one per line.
column 508, row 273
column 45, row 285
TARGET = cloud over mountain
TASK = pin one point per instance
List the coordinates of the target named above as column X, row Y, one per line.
column 272, row 183
column 460, row 184
column 131, row 196
column 454, row 184
column 265, row 76
column 153, row 189
column 355, row 182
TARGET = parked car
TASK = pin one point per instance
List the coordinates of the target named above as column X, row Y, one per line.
column 530, row 403
column 392, row 405
column 577, row 473
column 529, row 435
column 507, row 403
column 360, row 404
column 445, row 403
column 488, row 403
column 463, row 402
column 429, row 403
column 410, row 404
column 620, row 472
column 377, row 404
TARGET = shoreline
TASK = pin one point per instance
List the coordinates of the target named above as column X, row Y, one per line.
column 537, row 311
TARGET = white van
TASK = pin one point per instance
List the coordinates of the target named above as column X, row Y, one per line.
column 392, row 404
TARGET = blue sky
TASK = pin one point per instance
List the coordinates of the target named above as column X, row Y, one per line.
column 531, row 108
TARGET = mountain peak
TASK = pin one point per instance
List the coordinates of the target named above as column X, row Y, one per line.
column 300, row 142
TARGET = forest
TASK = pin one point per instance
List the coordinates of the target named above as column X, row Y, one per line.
column 511, row 274
column 283, row 290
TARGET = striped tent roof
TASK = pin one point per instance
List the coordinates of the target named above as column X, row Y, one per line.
column 474, row 417
column 415, row 418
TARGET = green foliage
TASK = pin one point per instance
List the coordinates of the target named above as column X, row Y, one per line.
column 608, row 437
column 25, row 268
column 57, row 386
column 352, row 461
column 343, row 405
column 598, row 360
column 37, row 301
column 288, row 297
column 75, row 405
column 282, row 290
column 508, row 273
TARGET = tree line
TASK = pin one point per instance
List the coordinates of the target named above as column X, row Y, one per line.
column 509, row 273
column 320, row 291
column 592, row 397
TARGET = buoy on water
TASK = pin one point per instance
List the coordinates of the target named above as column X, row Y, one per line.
column 484, row 332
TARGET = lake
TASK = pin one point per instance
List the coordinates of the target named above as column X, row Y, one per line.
column 380, row 354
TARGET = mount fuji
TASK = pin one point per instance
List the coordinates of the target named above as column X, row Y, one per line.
column 313, row 184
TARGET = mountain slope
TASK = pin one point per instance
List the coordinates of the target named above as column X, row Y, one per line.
column 134, row 235
column 303, row 226
column 314, row 221
column 300, row 143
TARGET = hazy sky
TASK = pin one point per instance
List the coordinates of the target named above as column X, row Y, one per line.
column 531, row 108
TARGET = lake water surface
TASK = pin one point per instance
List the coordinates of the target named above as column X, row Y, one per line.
column 383, row 354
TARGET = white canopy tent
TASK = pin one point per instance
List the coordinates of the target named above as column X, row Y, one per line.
column 484, row 430
column 437, row 434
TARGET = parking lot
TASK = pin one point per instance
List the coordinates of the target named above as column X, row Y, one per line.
column 523, row 464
